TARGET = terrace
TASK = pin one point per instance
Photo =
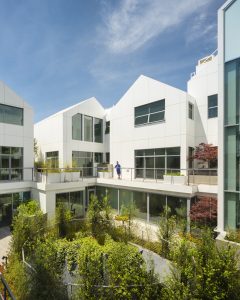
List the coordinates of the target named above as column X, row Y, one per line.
column 186, row 177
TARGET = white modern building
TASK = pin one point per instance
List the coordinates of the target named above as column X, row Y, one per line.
column 16, row 152
column 151, row 131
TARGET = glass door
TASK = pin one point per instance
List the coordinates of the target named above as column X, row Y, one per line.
column 5, row 209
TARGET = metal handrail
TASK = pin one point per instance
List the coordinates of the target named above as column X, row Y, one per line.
column 67, row 174
column 6, row 289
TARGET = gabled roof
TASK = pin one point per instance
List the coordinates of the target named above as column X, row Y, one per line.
column 92, row 99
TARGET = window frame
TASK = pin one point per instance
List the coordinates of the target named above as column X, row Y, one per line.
column 211, row 108
column 3, row 114
column 190, row 110
column 148, row 107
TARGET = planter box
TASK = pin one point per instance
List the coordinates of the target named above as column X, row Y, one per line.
column 51, row 177
column 106, row 175
column 58, row 177
column 171, row 179
column 70, row 176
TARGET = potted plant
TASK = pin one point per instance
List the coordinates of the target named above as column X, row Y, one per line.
column 174, row 178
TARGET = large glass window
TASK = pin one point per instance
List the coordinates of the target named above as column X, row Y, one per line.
column 232, row 144
column 84, row 160
column 150, row 113
column 11, row 115
column 11, row 163
column 52, row 160
column 212, row 106
column 140, row 203
column 154, row 163
column 157, row 203
column 98, row 130
column 137, row 201
column 72, row 201
column 112, row 195
column 88, row 129
column 77, row 127
column 8, row 205
column 178, row 206
column 98, row 157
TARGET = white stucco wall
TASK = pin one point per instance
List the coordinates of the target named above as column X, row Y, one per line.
column 203, row 84
column 55, row 132
column 17, row 135
column 176, row 131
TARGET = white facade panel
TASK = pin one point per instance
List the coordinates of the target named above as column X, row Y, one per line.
column 125, row 137
column 18, row 135
column 203, row 84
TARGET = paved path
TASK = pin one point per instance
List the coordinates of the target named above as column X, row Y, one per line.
column 162, row 266
column 5, row 237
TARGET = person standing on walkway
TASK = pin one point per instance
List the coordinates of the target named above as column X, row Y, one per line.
column 118, row 169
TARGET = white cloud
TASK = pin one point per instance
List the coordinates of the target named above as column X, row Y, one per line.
column 202, row 28
column 135, row 22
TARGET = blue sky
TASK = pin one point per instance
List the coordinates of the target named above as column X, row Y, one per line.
column 55, row 53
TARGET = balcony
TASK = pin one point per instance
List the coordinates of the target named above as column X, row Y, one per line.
column 165, row 176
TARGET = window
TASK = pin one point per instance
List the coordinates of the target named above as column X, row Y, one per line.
column 9, row 204
column 81, row 159
column 150, row 113
column 154, row 163
column 107, row 129
column 107, row 157
column 88, row 129
column 98, row 157
column 11, row 115
column 190, row 155
column 52, row 159
column 98, row 130
column 72, row 201
column 190, row 111
column 77, row 127
column 212, row 106
column 11, row 163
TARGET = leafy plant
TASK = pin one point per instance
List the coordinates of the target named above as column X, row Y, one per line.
column 203, row 271
column 166, row 229
column 204, row 211
column 207, row 153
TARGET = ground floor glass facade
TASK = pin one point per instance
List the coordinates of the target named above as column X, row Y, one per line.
column 9, row 203
column 73, row 201
column 148, row 206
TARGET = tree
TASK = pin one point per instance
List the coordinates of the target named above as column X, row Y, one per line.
column 100, row 219
column 35, row 147
column 166, row 229
column 114, row 271
column 206, row 153
column 28, row 225
column 204, row 211
column 203, row 271
column 63, row 217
